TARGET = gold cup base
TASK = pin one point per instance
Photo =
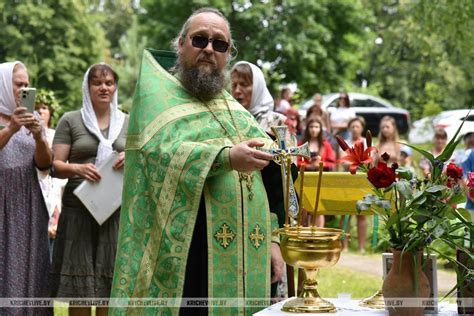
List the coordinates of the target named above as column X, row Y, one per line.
column 376, row 301
column 308, row 305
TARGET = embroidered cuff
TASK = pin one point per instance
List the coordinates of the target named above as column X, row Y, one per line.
column 222, row 162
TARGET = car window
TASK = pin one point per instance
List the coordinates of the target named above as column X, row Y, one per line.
column 360, row 103
column 333, row 104
column 376, row 104
column 470, row 118
column 366, row 103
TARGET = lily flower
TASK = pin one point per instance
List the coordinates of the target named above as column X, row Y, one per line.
column 356, row 155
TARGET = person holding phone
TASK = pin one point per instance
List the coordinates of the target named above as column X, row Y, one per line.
column 84, row 251
column 23, row 214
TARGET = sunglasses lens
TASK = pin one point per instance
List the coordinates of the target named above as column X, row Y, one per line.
column 220, row 46
column 199, row 41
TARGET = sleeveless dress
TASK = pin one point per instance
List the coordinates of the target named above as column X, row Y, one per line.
column 23, row 226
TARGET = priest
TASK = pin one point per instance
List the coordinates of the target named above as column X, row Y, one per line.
column 195, row 221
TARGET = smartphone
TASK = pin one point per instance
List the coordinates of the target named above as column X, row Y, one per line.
column 27, row 97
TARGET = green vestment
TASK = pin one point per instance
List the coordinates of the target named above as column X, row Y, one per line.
column 176, row 152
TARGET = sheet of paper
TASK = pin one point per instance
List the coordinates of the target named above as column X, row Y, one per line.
column 103, row 198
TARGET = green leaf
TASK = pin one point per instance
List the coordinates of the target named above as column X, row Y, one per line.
column 436, row 188
column 423, row 152
column 464, row 216
column 404, row 173
column 404, row 188
column 392, row 219
column 458, row 199
column 384, row 204
column 418, row 201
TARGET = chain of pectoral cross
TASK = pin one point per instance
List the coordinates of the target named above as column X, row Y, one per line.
column 281, row 153
column 247, row 177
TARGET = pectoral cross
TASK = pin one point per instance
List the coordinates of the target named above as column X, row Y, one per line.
column 281, row 156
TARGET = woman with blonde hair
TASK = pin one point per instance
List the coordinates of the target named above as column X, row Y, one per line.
column 389, row 140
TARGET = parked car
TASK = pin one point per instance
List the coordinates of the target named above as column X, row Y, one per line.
column 367, row 106
column 451, row 120
column 423, row 129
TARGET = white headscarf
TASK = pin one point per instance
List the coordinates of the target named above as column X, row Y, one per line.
column 261, row 104
column 7, row 99
column 262, row 100
column 90, row 120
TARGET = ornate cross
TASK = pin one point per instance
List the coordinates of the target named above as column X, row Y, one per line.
column 282, row 153
column 256, row 237
column 224, row 236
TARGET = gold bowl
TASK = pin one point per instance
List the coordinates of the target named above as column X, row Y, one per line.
column 310, row 248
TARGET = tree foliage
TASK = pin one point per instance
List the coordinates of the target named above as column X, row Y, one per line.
column 417, row 54
column 421, row 65
column 131, row 46
column 56, row 40
column 317, row 44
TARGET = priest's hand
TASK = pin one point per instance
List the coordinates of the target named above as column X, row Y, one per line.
column 245, row 158
column 277, row 263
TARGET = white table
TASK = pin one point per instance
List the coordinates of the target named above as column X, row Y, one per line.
column 350, row 307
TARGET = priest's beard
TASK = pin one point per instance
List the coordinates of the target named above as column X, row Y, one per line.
column 200, row 83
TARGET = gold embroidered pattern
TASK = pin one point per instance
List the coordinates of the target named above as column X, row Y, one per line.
column 256, row 237
column 174, row 113
column 224, row 236
column 149, row 262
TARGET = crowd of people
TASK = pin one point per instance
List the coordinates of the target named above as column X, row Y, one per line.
column 192, row 162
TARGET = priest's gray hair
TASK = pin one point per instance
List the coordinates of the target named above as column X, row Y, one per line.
column 185, row 28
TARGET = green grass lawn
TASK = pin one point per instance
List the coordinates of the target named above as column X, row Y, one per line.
column 61, row 309
column 334, row 280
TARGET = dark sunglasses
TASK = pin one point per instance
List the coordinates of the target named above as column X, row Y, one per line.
column 217, row 44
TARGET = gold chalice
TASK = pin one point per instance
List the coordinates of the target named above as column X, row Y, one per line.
column 310, row 248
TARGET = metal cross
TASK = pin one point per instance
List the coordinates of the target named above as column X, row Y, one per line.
column 281, row 155
column 224, row 236
column 256, row 237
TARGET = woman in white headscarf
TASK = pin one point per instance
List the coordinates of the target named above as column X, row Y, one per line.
column 84, row 251
column 250, row 89
column 23, row 215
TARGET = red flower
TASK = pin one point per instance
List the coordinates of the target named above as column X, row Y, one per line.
column 356, row 155
column 385, row 157
column 470, row 185
column 453, row 171
column 381, row 176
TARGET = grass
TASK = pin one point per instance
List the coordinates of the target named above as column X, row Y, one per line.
column 61, row 309
column 334, row 280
